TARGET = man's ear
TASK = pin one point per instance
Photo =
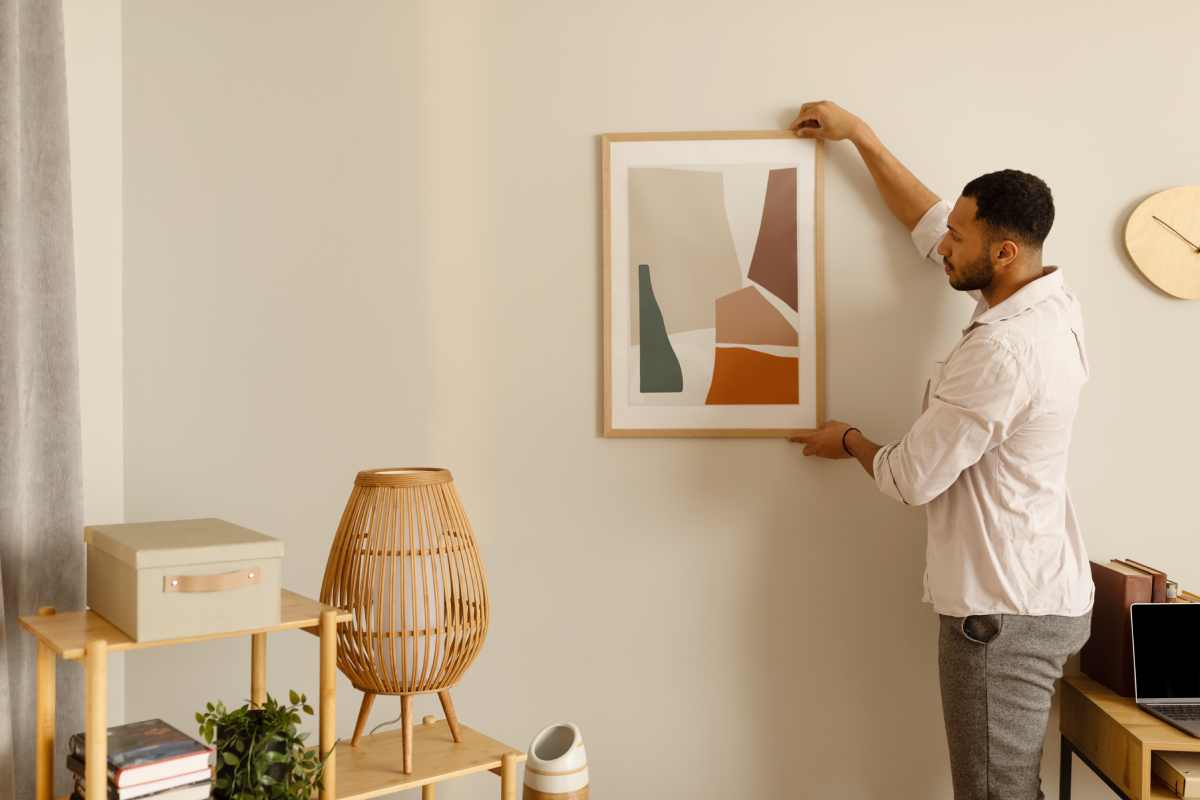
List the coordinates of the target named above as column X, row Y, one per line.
column 1009, row 250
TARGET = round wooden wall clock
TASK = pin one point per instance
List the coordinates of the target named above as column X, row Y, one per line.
column 1163, row 239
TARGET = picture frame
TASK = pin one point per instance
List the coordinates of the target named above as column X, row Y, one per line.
column 734, row 321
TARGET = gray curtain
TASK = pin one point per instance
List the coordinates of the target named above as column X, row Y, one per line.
column 41, row 549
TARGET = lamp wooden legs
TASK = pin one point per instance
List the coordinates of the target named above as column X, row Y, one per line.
column 328, row 632
column 95, row 761
column 258, row 669
column 364, row 711
column 451, row 717
column 406, row 721
column 47, row 664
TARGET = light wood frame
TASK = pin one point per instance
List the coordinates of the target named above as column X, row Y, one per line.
column 606, row 141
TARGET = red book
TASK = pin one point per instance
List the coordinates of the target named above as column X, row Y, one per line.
column 1108, row 655
column 1157, row 576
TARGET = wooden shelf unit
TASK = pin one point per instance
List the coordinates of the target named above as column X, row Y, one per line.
column 369, row 770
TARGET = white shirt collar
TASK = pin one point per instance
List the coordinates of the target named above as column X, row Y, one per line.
column 1024, row 298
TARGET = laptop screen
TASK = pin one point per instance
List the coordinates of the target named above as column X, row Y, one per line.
column 1166, row 650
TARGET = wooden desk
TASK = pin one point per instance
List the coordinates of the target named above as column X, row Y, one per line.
column 1115, row 738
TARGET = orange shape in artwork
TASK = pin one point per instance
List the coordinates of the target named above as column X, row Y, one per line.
column 746, row 317
column 750, row 377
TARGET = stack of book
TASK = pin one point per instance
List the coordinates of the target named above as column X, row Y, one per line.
column 147, row 759
column 1108, row 655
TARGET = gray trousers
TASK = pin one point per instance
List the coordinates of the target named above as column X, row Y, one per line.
column 997, row 674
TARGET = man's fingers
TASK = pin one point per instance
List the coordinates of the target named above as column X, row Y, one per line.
column 809, row 450
column 804, row 436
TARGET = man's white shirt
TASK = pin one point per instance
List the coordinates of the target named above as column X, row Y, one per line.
column 988, row 455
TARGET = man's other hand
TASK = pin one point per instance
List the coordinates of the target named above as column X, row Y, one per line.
column 825, row 441
column 825, row 119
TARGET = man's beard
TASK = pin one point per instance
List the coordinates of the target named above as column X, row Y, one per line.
column 976, row 275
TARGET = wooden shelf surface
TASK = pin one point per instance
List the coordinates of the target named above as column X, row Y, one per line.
column 1144, row 727
column 68, row 632
column 373, row 768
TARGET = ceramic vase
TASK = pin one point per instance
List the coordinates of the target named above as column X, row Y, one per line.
column 556, row 767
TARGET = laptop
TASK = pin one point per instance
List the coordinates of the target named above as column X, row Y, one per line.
column 1166, row 662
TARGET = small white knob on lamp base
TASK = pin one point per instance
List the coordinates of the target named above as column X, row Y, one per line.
column 556, row 767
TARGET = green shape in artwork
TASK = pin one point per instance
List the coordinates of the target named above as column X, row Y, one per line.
column 660, row 371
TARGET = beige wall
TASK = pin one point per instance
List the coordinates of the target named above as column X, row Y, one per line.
column 276, row 317
column 722, row 618
column 93, row 58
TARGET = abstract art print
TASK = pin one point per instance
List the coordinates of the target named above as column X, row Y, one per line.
column 713, row 316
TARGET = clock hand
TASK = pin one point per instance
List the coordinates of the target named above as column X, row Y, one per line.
column 1177, row 233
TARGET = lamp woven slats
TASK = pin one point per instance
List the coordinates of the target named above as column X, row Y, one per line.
column 404, row 562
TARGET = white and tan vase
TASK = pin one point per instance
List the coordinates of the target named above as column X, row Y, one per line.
column 556, row 767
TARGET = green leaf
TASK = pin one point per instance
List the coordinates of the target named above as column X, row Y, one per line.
column 293, row 697
column 308, row 709
column 230, row 758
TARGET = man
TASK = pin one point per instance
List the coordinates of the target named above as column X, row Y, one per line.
column 1006, row 568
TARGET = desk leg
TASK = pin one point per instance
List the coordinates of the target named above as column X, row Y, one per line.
column 258, row 669
column 95, row 665
column 1064, row 769
column 328, row 699
column 508, row 776
column 46, row 667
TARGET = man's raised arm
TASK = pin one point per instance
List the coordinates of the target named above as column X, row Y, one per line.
column 906, row 197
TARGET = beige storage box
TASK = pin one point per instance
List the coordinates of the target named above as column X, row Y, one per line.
column 191, row 577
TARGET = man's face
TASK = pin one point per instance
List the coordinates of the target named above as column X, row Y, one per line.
column 966, row 249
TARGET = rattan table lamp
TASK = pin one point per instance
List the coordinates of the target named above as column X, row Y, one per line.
column 404, row 561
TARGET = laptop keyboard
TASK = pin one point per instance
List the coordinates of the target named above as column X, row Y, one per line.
column 1189, row 712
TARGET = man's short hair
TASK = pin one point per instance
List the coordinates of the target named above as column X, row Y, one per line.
column 1013, row 204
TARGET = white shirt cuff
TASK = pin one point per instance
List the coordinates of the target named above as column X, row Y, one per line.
column 930, row 230
column 884, row 479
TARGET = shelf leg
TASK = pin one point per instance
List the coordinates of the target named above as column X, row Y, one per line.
column 328, row 707
column 451, row 716
column 364, row 711
column 508, row 776
column 406, row 720
column 429, row 790
column 258, row 669
column 47, row 664
column 95, row 760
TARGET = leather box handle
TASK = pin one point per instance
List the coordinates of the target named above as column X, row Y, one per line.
column 247, row 576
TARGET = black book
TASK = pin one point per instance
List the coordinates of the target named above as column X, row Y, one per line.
column 146, row 751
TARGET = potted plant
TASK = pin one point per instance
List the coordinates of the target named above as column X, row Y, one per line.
column 259, row 753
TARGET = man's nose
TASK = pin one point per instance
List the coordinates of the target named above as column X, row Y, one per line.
column 942, row 249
